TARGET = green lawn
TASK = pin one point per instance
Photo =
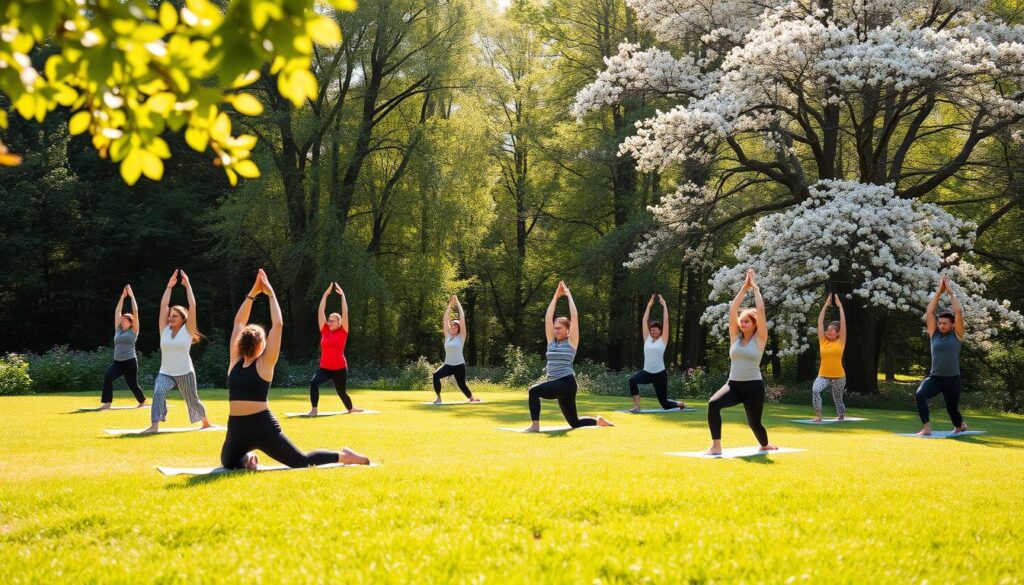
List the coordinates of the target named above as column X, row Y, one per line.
column 455, row 501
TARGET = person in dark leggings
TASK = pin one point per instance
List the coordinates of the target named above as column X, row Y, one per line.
column 454, row 363
column 945, row 334
column 563, row 339
column 126, row 332
column 654, row 334
column 254, row 354
column 748, row 334
column 333, row 365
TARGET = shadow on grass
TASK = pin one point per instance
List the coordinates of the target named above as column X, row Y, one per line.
column 199, row 480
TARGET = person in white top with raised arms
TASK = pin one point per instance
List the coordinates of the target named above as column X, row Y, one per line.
column 454, row 341
column 655, row 336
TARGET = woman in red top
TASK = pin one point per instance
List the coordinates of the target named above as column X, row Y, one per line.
column 333, row 366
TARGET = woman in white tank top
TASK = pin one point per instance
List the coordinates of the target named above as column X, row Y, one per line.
column 178, row 332
column 655, row 336
column 454, row 341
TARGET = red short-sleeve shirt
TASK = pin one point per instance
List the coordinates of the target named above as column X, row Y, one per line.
column 332, row 348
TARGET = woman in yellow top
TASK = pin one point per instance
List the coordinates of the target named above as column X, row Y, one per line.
column 831, row 343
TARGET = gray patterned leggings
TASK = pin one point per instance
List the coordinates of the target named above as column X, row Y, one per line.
column 187, row 386
column 838, row 386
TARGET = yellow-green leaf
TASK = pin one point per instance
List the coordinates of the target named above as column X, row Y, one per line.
column 247, row 169
column 79, row 122
column 168, row 16
column 324, row 31
column 232, row 177
column 161, row 103
column 264, row 11
column 131, row 167
column 152, row 166
column 159, row 147
column 197, row 138
column 247, row 104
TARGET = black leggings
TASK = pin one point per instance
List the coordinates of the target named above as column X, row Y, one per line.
column 340, row 378
column 949, row 387
column 459, row 372
column 261, row 431
column 564, row 390
column 751, row 395
column 130, row 370
column 660, row 383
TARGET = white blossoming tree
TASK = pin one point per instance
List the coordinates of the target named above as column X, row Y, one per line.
column 784, row 101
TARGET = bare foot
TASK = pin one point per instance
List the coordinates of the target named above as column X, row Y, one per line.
column 713, row 451
column 769, row 447
column 142, row 404
column 104, row 406
column 354, row 409
column 681, row 405
column 151, row 429
column 635, row 410
column 251, row 461
column 312, row 412
column 206, row 424
column 438, row 401
column 534, row 428
column 601, row 422
column 960, row 429
column 816, row 419
column 350, row 457
column 474, row 399
column 841, row 417
column 925, row 430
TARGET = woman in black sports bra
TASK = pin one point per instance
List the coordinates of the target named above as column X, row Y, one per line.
column 254, row 355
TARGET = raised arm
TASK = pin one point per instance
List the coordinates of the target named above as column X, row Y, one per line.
column 664, row 318
column 929, row 312
column 762, row 315
column 462, row 320
column 734, row 307
column 574, row 317
column 242, row 319
column 119, row 307
column 448, row 316
column 165, row 301
column 842, row 321
column 821, row 317
column 321, row 313
column 193, row 316
column 135, row 310
column 274, row 336
column 958, row 310
column 549, row 316
column 344, row 307
column 645, row 330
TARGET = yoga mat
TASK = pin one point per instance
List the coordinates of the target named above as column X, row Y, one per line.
column 218, row 470
column 827, row 421
column 96, row 408
column 734, row 452
column 453, row 403
column 328, row 413
column 547, row 429
column 163, row 430
column 942, row 434
column 658, row 410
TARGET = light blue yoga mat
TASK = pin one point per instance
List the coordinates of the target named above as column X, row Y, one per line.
column 942, row 434
column 734, row 452
column 658, row 410
column 219, row 470
column 826, row 421
column 327, row 413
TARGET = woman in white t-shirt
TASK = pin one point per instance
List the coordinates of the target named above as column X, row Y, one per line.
column 454, row 361
column 655, row 336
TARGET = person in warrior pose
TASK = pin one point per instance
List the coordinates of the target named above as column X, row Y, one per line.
column 126, row 332
column 945, row 334
column 333, row 365
column 831, row 343
column 655, row 337
column 454, row 341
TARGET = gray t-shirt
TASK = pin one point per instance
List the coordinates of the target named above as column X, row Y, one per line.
column 560, row 357
column 746, row 360
column 945, row 354
column 124, row 344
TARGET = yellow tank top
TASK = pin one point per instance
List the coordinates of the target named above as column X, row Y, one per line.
column 831, row 359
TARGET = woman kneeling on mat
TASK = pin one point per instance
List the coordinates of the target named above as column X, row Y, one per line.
column 178, row 332
column 454, row 363
column 333, row 365
column 946, row 335
column 126, row 331
column 563, row 340
column 748, row 334
column 254, row 355
column 831, row 343
column 655, row 336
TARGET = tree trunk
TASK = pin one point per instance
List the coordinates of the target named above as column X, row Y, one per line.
column 861, row 355
column 694, row 340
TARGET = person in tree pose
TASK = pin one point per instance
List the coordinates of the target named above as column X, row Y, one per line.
column 251, row 425
column 333, row 365
column 655, row 338
column 178, row 332
column 946, row 334
column 454, row 341
column 126, row 332
column 563, row 335
column 831, row 343
column 748, row 334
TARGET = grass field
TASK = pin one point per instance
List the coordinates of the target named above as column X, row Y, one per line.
column 455, row 501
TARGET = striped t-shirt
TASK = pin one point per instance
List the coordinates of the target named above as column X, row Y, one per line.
column 560, row 356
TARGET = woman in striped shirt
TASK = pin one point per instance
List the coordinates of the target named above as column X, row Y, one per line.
column 563, row 336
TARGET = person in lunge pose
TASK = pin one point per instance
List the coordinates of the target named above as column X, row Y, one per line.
column 831, row 343
column 946, row 334
column 126, row 331
column 178, row 331
column 454, row 341
column 254, row 354
column 748, row 334
column 333, row 365
column 563, row 335
column 655, row 337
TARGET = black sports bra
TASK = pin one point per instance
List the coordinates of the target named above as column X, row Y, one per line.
column 246, row 383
